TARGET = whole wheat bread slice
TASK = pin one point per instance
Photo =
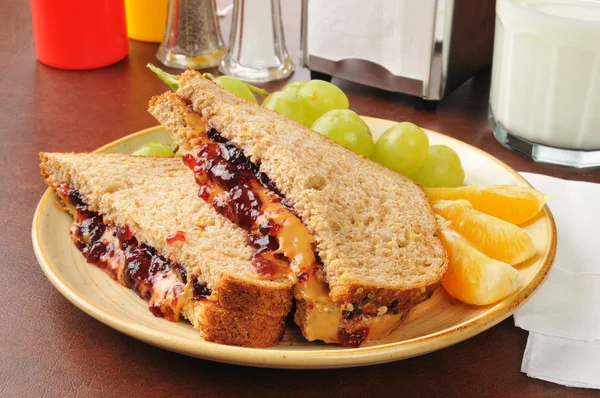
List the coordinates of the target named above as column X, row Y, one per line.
column 375, row 230
column 156, row 197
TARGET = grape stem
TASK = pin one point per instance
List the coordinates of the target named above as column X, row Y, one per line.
column 257, row 90
column 171, row 80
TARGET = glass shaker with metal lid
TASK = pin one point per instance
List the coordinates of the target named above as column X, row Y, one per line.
column 257, row 51
column 192, row 35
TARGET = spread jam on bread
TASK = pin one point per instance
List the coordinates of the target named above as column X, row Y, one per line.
column 238, row 190
column 161, row 282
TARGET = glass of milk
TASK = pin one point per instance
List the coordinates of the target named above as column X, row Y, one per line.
column 545, row 94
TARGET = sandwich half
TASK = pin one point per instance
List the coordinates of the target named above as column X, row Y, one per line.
column 359, row 241
column 140, row 220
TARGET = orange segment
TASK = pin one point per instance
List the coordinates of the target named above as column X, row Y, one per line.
column 496, row 238
column 473, row 277
column 512, row 203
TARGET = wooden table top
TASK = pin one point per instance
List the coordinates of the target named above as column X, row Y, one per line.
column 49, row 347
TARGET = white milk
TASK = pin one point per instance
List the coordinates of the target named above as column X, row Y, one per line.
column 546, row 71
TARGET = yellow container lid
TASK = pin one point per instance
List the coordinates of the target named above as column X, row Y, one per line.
column 146, row 19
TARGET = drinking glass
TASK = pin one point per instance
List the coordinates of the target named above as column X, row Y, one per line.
column 545, row 93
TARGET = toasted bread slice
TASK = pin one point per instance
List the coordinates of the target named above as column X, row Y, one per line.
column 375, row 230
column 156, row 197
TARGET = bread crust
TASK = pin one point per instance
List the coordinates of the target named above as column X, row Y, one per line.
column 242, row 328
column 375, row 230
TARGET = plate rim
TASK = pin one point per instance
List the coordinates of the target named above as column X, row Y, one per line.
column 303, row 359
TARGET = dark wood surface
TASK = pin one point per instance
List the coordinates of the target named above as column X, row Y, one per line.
column 50, row 348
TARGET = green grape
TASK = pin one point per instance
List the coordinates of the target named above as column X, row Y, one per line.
column 287, row 104
column 153, row 149
column 236, row 87
column 346, row 128
column 293, row 87
column 402, row 148
column 442, row 168
column 318, row 97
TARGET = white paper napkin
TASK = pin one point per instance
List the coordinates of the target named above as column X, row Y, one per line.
column 563, row 317
column 396, row 34
column 566, row 305
column 576, row 209
column 572, row 363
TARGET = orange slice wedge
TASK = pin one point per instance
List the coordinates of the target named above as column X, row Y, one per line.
column 513, row 203
column 496, row 238
column 473, row 277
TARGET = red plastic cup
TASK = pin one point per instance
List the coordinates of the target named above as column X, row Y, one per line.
column 79, row 34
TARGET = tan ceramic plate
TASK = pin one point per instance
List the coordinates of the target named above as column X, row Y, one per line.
column 435, row 324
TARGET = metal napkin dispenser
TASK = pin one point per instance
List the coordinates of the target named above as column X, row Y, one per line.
column 424, row 48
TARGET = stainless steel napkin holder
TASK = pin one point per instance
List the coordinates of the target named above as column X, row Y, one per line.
column 463, row 33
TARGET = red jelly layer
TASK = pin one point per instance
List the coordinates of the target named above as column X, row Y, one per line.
column 228, row 180
column 120, row 255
